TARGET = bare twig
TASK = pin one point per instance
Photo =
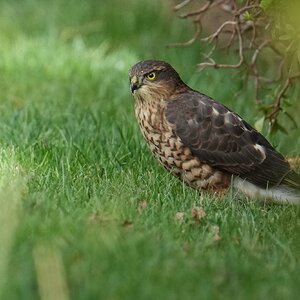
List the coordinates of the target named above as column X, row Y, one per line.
column 197, row 12
column 246, row 28
column 257, row 51
column 277, row 104
column 192, row 40
column 182, row 4
column 215, row 35
column 245, row 8
column 241, row 53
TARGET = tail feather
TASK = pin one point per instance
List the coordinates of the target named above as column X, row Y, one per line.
column 292, row 179
column 283, row 193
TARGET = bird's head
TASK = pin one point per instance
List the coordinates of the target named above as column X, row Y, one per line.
column 153, row 78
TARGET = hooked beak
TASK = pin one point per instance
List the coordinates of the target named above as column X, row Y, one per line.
column 135, row 83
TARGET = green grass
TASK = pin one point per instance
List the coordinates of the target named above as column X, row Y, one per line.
column 75, row 172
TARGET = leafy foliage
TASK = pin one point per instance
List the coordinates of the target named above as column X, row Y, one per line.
column 266, row 4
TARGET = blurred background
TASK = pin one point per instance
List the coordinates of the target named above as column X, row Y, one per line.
column 57, row 52
column 62, row 56
column 74, row 167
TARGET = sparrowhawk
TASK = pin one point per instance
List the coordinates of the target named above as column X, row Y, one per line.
column 203, row 142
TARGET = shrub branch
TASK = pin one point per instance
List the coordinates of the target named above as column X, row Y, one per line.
column 246, row 29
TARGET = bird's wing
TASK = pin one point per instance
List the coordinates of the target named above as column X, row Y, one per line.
column 220, row 138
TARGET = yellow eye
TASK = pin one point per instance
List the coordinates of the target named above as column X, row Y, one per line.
column 151, row 76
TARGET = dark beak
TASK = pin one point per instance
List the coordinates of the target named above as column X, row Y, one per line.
column 133, row 87
column 135, row 83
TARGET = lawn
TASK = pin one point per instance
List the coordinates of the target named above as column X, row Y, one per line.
column 85, row 211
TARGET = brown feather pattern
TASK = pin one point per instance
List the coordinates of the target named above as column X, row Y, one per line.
column 220, row 138
column 203, row 142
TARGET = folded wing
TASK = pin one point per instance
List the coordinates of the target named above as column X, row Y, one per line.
column 220, row 138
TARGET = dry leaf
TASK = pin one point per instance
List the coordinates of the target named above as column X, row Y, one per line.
column 198, row 213
column 294, row 161
column 179, row 216
column 215, row 230
column 142, row 205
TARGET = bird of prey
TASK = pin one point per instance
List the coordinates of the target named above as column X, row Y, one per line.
column 204, row 143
